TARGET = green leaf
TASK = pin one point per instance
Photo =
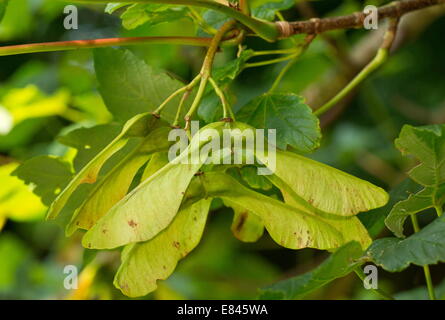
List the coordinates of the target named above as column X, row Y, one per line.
column 342, row 262
column 150, row 207
column 144, row 263
column 89, row 141
column 151, row 14
column 49, row 175
column 414, row 204
column 116, row 183
column 268, row 10
column 112, row 7
column 3, row 6
column 138, row 126
column 157, row 161
column 286, row 112
column 17, row 201
column 130, row 87
column 246, row 226
column 249, row 174
column 422, row 248
column 289, row 226
column 323, row 187
column 210, row 109
column 17, row 10
column 214, row 19
column 427, row 144
column 374, row 220
column 233, row 68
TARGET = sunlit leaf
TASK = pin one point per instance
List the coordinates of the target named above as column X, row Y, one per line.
column 47, row 175
column 17, row 200
column 29, row 102
column 112, row 7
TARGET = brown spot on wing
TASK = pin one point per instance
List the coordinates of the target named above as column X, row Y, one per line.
column 90, row 178
column 132, row 224
column 241, row 221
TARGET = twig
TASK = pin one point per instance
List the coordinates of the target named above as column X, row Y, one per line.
column 303, row 47
column 267, row 30
column 188, row 87
column 227, row 110
column 99, row 43
column 268, row 62
column 379, row 59
column 180, row 107
column 426, row 268
column 410, row 28
column 356, row 20
column 206, row 69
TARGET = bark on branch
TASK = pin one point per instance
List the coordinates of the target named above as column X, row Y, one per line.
column 355, row 20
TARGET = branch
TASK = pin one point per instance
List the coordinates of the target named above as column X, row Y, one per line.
column 380, row 58
column 99, row 43
column 355, row 20
column 411, row 27
column 206, row 69
column 267, row 30
column 426, row 268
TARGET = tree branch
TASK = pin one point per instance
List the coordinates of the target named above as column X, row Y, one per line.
column 99, row 43
column 411, row 27
column 355, row 20
column 380, row 58
column 265, row 29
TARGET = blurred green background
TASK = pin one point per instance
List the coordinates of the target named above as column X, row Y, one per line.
column 49, row 93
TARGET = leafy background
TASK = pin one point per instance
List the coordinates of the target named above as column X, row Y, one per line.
column 54, row 93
